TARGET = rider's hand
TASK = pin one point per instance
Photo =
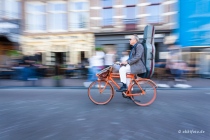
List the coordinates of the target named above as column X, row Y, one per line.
column 118, row 63
column 124, row 63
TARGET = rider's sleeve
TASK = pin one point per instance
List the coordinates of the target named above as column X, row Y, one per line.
column 136, row 56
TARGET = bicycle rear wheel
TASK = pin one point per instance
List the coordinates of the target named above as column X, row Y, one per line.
column 100, row 92
column 144, row 92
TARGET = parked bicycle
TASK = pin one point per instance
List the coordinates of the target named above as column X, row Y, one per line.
column 141, row 91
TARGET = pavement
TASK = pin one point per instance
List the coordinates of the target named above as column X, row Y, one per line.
column 82, row 83
column 54, row 114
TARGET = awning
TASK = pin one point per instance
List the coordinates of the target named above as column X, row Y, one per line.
column 4, row 40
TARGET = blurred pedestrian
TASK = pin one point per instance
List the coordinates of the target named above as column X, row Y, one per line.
column 109, row 58
column 96, row 63
column 176, row 66
column 125, row 56
column 28, row 68
column 69, row 70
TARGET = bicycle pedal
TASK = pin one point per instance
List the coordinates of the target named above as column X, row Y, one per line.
column 124, row 95
column 137, row 101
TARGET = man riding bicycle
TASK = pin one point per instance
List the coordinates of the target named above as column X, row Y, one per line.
column 134, row 64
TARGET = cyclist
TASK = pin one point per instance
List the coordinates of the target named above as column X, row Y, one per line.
column 134, row 64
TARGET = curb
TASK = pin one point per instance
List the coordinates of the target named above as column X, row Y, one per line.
column 82, row 87
column 37, row 87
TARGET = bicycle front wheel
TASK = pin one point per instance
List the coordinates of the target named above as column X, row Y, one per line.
column 100, row 92
column 144, row 92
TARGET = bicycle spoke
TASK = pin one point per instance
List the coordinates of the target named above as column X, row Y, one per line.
column 100, row 92
column 144, row 92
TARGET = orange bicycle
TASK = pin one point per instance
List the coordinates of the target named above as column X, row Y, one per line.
column 141, row 91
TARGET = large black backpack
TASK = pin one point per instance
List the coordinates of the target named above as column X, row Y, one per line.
column 149, row 51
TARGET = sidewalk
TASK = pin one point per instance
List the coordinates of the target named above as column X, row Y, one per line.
column 49, row 82
column 191, row 83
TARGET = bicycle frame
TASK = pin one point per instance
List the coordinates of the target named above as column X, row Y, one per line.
column 116, row 75
column 129, row 75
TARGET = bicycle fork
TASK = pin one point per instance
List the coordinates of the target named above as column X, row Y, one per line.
column 101, row 87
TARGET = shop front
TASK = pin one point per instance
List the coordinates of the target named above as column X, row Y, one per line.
column 62, row 49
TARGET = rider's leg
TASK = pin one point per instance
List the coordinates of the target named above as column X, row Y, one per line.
column 123, row 70
column 128, row 81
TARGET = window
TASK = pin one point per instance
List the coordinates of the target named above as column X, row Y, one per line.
column 10, row 9
column 79, row 15
column 1, row 10
column 107, row 17
column 173, row 7
column 79, row 6
column 130, row 14
column 107, row 3
column 130, row 2
column 173, row 18
column 155, row 11
column 155, row 1
column 35, row 16
column 130, row 9
column 107, row 12
column 57, row 16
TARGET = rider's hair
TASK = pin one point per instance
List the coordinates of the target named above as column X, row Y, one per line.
column 136, row 37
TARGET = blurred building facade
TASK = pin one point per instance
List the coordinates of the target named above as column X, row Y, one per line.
column 10, row 25
column 113, row 21
column 67, row 31
column 58, row 29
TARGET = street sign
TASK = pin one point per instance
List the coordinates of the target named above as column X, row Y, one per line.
column 194, row 22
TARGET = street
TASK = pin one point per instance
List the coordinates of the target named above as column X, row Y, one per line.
column 68, row 114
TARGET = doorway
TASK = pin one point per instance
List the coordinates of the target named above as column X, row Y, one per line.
column 59, row 58
column 82, row 55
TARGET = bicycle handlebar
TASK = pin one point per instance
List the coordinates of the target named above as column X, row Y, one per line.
column 118, row 63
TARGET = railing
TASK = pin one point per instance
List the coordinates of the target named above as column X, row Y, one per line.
column 155, row 19
column 80, row 25
column 32, row 27
column 130, row 24
column 9, row 15
column 131, row 21
column 107, row 22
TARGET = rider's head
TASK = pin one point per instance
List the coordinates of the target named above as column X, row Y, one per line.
column 134, row 39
